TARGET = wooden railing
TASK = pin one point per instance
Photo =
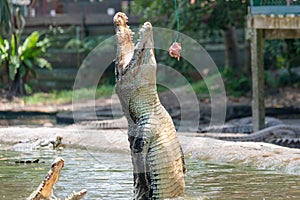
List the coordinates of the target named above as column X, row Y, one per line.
column 275, row 7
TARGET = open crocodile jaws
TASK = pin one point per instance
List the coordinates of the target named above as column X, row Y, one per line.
column 45, row 189
column 158, row 164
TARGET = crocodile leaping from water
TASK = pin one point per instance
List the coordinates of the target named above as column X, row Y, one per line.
column 44, row 191
column 157, row 158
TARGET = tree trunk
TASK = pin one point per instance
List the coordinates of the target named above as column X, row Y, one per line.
column 232, row 58
column 17, row 87
column 5, row 76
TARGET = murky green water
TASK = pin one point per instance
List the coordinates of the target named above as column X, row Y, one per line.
column 28, row 119
column 109, row 176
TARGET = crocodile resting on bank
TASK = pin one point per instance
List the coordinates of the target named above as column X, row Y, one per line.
column 44, row 191
column 241, row 125
column 158, row 164
column 283, row 135
column 37, row 143
column 120, row 123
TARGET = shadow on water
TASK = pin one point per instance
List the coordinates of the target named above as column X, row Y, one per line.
column 110, row 177
column 10, row 118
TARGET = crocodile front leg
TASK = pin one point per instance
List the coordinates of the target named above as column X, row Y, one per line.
column 139, row 150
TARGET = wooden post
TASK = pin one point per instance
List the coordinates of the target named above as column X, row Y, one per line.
column 257, row 66
column 262, row 27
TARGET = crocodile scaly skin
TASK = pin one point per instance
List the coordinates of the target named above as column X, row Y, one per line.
column 156, row 154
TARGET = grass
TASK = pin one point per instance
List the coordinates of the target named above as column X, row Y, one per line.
column 65, row 96
column 201, row 87
column 235, row 85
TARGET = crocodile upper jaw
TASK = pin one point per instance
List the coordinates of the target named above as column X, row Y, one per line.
column 45, row 188
column 129, row 55
column 53, row 175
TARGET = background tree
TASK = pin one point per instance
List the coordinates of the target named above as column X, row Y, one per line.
column 16, row 58
column 5, row 19
column 201, row 19
column 5, row 33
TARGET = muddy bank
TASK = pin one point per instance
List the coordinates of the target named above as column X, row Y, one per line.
column 256, row 154
column 259, row 155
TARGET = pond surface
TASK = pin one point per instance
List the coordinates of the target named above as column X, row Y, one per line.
column 108, row 176
column 26, row 119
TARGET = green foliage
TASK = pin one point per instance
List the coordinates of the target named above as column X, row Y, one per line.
column 200, row 87
column 28, row 89
column 270, row 80
column 85, row 45
column 235, row 85
column 280, row 78
column 205, row 18
column 25, row 57
column 70, row 39
column 274, row 54
column 18, row 60
column 279, row 55
column 58, row 35
column 4, row 50
column 65, row 96
column 76, row 44
column 5, row 19
column 282, row 53
column 204, row 15
column 289, row 79
column 182, row 65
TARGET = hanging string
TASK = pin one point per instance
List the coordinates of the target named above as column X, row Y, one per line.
column 177, row 20
column 175, row 48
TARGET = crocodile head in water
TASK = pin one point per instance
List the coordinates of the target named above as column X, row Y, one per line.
column 44, row 191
